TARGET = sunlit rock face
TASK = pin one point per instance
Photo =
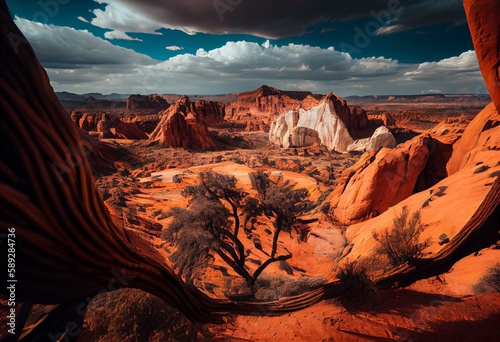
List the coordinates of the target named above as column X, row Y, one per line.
column 324, row 119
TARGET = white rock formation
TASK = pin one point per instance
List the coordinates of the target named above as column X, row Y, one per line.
column 332, row 132
column 358, row 146
column 382, row 137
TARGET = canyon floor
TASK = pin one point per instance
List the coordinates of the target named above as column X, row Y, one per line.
column 144, row 181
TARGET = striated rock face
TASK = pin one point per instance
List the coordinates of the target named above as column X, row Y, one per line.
column 128, row 130
column 384, row 119
column 355, row 118
column 479, row 143
column 182, row 125
column 151, row 103
column 212, row 112
column 485, row 34
column 323, row 119
column 67, row 245
column 380, row 180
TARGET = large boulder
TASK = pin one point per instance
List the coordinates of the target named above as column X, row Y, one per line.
column 382, row 137
column 379, row 181
column 485, row 34
column 358, row 146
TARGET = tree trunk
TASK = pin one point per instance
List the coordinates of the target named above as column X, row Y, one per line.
column 278, row 227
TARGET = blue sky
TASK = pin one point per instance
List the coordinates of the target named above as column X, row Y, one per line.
column 369, row 47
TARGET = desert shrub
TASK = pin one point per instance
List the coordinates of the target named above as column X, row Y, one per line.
column 195, row 234
column 361, row 287
column 401, row 244
column 490, row 282
column 271, row 287
column 193, row 253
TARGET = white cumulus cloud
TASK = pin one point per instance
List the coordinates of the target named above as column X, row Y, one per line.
column 119, row 35
column 77, row 61
column 174, row 48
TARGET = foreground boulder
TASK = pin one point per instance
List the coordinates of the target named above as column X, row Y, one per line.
column 379, row 180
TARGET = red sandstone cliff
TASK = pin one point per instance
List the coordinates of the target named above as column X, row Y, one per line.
column 184, row 125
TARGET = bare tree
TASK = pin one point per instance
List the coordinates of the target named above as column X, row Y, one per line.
column 285, row 203
column 207, row 213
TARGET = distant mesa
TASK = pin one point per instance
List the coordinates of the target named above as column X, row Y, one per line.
column 153, row 102
column 265, row 104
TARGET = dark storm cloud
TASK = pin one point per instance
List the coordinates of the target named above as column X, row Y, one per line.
column 268, row 18
column 419, row 14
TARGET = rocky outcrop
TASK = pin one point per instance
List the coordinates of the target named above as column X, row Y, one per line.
column 445, row 135
column 479, row 143
column 183, row 125
column 150, row 103
column 355, row 118
column 384, row 119
column 382, row 137
column 128, row 130
column 482, row 137
column 485, row 34
column 265, row 103
column 212, row 112
column 380, row 180
column 324, row 119
column 257, row 126
column 86, row 121
column 67, row 246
